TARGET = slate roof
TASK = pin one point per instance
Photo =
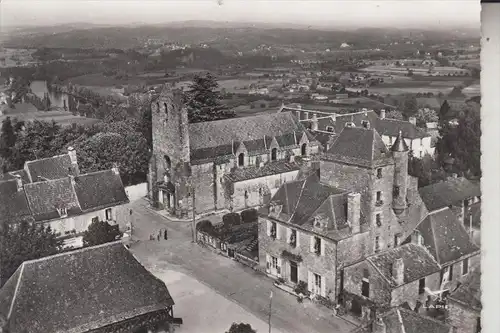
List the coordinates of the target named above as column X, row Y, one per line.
column 225, row 132
column 445, row 237
column 46, row 197
column 418, row 263
column 400, row 320
column 49, row 168
column 79, row 291
column 449, row 192
column 13, row 203
column 391, row 127
column 469, row 292
column 252, row 172
column 359, row 146
column 303, row 200
column 100, row 189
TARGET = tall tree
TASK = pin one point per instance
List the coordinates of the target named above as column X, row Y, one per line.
column 445, row 113
column 410, row 106
column 204, row 101
column 100, row 232
column 27, row 241
column 426, row 115
column 7, row 138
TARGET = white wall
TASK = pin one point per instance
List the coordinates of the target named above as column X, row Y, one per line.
column 136, row 192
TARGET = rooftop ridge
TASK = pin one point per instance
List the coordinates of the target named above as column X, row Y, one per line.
column 43, row 159
column 18, row 283
column 84, row 249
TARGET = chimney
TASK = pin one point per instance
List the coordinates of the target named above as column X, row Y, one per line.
column 354, row 211
column 378, row 326
column 314, row 122
column 298, row 114
column 413, row 120
column 298, row 106
column 19, row 182
column 398, row 270
column 366, row 124
column 74, row 161
column 382, row 114
column 334, row 117
column 115, row 169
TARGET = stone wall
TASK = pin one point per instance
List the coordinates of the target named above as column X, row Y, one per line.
column 202, row 178
column 409, row 292
column 380, row 291
column 461, row 318
column 323, row 264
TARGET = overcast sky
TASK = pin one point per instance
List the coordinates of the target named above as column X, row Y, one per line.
column 356, row 13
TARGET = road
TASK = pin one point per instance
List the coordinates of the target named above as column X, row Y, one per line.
column 235, row 282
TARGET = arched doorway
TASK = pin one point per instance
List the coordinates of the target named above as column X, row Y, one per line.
column 241, row 159
column 274, row 154
column 303, row 149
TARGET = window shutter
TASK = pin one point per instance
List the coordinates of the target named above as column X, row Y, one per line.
column 268, row 228
column 297, row 238
column 280, row 268
column 288, row 234
column 310, row 281
column 311, row 243
column 278, row 231
column 322, row 246
column 323, row 286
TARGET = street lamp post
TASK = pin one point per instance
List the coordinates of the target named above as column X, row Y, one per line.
column 193, row 223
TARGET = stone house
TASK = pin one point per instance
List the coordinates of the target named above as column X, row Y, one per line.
column 230, row 164
column 393, row 277
column 69, row 297
column 362, row 203
column 462, row 196
column 52, row 191
column 446, row 239
column 399, row 319
column 464, row 305
column 417, row 139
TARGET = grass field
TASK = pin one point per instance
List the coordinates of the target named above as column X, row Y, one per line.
column 61, row 117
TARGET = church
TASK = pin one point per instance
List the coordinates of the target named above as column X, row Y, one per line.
column 230, row 164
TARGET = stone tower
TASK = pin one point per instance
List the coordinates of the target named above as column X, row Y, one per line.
column 400, row 152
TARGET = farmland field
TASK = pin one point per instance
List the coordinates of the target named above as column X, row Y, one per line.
column 61, row 117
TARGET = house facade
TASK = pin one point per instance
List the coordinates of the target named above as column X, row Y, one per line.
column 418, row 140
column 54, row 193
column 360, row 205
column 38, row 303
column 229, row 164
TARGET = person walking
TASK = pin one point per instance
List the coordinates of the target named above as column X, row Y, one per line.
column 165, row 236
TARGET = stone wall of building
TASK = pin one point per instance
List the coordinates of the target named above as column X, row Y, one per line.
column 462, row 318
column 202, row 178
column 410, row 292
column 380, row 292
column 323, row 265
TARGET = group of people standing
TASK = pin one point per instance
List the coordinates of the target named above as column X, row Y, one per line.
column 162, row 233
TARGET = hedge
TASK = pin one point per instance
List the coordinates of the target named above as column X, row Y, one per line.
column 249, row 215
column 231, row 219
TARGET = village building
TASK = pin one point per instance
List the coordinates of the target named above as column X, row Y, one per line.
column 417, row 139
column 462, row 196
column 230, row 164
column 464, row 305
column 399, row 319
column 92, row 290
column 362, row 203
column 52, row 192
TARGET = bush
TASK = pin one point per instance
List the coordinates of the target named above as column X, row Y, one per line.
column 204, row 226
column 301, row 288
column 249, row 215
column 231, row 219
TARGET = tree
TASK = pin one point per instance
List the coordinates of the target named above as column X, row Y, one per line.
column 445, row 113
column 394, row 114
column 410, row 106
column 426, row 115
column 100, row 232
column 7, row 138
column 426, row 169
column 241, row 328
column 27, row 241
column 204, row 101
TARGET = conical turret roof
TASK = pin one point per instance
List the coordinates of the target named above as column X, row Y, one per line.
column 400, row 144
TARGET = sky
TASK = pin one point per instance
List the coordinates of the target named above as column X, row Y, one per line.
column 334, row 13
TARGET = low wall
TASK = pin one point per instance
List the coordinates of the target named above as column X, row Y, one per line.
column 136, row 192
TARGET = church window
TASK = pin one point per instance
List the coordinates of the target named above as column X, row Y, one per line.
column 157, row 107
column 246, row 194
column 395, row 191
column 166, row 108
column 274, row 154
column 303, row 149
column 241, row 159
column 168, row 162
column 379, row 173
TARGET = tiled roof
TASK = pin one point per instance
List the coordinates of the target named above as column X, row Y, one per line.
column 449, row 192
column 303, row 200
column 418, row 263
column 469, row 292
column 13, row 203
column 24, row 175
column 273, row 168
column 400, row 320
column 445, row 237
column 80, row 291
column 225, row 132
column 415, row 212
column 359, row 146
column 391, row 127
column 325, row 138
column 46, row 197
column 100, row 189
column 49, row 168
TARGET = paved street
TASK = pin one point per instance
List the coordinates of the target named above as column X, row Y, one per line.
column 226, row 277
